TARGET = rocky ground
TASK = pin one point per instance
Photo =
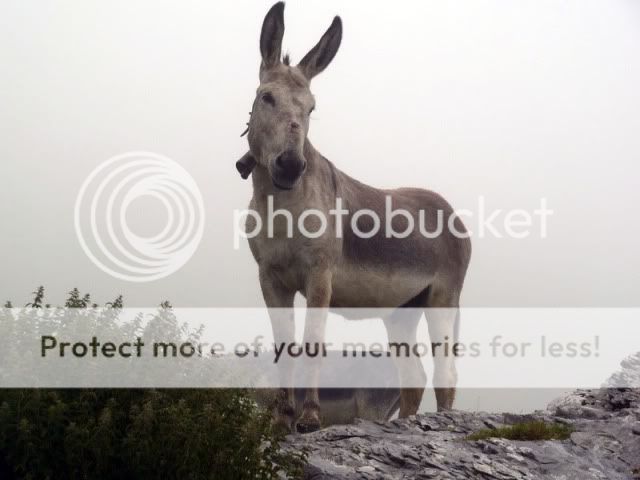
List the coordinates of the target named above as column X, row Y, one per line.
column 605, row 443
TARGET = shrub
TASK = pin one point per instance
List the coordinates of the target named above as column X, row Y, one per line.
column 120, row 434
column 138, row 433
column 536, row 430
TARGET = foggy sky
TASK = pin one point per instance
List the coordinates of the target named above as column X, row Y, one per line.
column 513, row 101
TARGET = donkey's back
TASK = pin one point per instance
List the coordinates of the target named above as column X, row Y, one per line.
column 421, row 243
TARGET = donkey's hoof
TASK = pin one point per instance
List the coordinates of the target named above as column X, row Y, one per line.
column 308, row 423
column 307, row 427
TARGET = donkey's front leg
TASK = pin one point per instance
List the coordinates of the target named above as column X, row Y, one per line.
column 318, row 291
column 279, row 300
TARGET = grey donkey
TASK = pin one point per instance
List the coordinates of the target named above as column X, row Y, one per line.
column 340, row 268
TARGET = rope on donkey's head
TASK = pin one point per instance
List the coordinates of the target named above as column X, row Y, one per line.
column 246, row 130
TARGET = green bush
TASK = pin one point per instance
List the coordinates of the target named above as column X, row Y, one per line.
column 138, row 433
column 536, row 430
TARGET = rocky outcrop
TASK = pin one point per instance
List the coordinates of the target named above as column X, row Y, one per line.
column 605, row 443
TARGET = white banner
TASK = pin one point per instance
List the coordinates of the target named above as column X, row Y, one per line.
column 233, row 347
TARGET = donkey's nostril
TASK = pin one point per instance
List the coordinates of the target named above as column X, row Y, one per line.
column 288, row 167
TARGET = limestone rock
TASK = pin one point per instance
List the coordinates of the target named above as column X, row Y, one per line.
column 605, row 443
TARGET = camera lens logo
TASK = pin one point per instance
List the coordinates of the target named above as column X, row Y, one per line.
column 100, row 216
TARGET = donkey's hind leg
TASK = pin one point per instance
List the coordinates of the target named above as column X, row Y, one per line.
column 443, row 316
column 401, row 328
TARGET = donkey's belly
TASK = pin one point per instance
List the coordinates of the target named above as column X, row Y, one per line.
column 357, row 287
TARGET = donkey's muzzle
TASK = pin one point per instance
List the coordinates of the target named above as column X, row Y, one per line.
column 287, row 169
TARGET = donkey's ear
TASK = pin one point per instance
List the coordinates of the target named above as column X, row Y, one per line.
column 271, row 35
column 245, row 165
column 321, row 55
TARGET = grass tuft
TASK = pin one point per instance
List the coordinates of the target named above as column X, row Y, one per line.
column 536, row 430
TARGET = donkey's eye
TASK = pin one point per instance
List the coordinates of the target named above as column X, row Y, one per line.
column 268, row 98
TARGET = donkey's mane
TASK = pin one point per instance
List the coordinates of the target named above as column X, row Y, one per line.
column 286, row 59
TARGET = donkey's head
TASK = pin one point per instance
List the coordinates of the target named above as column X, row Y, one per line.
column 280, row 115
